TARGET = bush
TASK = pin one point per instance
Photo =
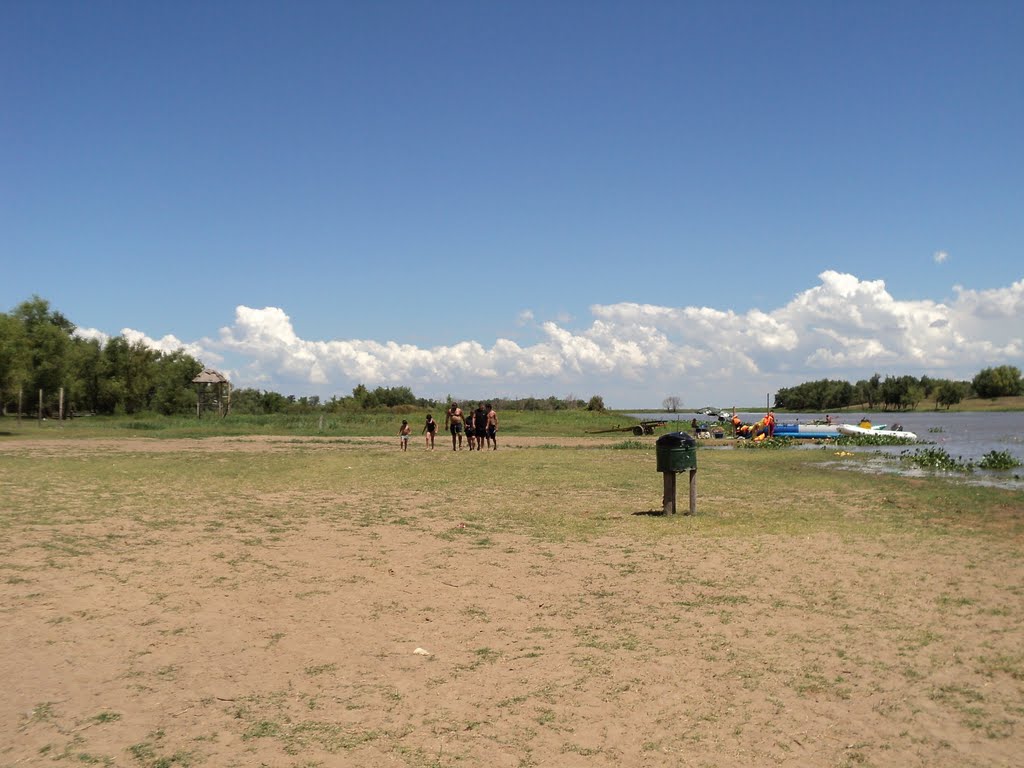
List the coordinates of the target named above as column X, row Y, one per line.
column 998, row 460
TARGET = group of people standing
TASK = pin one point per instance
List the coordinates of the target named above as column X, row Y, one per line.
column 480, row 427
column 765, row 426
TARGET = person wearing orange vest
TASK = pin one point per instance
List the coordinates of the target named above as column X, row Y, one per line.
column 769, row 423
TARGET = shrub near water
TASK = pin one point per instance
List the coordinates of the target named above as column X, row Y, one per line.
column 873, row 440
column 937, row 458
column 998, row 460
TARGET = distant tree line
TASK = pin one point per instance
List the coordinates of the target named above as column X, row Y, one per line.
column 569, row 403
column 899, row 392
column 254, row 401
column 40, row 351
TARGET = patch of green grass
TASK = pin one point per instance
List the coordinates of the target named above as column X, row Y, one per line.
column 261, row 730
column 305, row 428
column 632, row 445
column 145, row 754
column 321, row 669
column 1011, row 664
column 42, row 712
column 488, row 655
column 475, row 612
column 553, row 495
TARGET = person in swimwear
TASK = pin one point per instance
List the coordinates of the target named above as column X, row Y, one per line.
column 429, row 429
column 492, row 428
column 470, row 430
column 453, row 422
column 480, row 426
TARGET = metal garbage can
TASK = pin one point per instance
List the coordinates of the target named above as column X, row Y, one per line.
column 676, row 452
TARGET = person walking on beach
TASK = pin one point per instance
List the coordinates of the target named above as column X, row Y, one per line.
column 453, row 423
column 469, row 430
column 429, row 429
column 480, row 426
column 492, row 428
column 403, row 434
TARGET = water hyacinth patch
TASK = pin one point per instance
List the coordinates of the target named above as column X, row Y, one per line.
column 937, row 459
column 773, row 442
column 873, row 440
column 998, row 460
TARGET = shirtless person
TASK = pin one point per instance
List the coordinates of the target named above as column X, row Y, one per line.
column 453, row 423
column 492, row 428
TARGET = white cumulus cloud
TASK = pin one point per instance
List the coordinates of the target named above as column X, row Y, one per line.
column 842, row 327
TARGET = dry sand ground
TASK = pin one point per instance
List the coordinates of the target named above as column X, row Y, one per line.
column 223, row 646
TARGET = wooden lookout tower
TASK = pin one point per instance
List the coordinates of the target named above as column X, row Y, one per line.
column 213, row 393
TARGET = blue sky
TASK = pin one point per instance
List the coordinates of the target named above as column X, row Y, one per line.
column 632, row 199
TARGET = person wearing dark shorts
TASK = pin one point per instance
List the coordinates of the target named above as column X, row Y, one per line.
column 480, row 426
column 492, row 428
column 470, row 436
column 453, row 423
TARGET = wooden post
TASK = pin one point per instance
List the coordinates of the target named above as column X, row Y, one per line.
column 60, row 408
column 21, row 392
column 693, row 492
column 39, row 414
column 668, row 500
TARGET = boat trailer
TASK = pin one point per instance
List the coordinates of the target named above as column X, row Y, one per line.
column 643, row 428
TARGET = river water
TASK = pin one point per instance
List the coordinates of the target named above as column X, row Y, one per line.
column 968, row 436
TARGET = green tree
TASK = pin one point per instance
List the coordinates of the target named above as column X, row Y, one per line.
column 172, row 383
column 596, row 403
column 949, row 393
column 86, row 375
column 131, row 373
column 49, row 342
column 1003, row 381
column 15, row 359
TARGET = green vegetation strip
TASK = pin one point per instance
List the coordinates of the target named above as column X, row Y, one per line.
column 551, row 492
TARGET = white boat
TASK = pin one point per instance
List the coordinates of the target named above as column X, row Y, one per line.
column 853, row 429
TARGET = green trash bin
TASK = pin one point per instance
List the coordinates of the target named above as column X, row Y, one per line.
column 676, row 452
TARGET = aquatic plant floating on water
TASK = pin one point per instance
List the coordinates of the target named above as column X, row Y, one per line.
column 937, row 459
column 998, row 460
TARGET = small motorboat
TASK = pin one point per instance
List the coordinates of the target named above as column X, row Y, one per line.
column 853, row 429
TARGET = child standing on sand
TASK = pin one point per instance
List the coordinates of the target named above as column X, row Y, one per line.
column 404, row 433
column 430, row 428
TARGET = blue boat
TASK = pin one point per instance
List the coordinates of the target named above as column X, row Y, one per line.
column 808, row 431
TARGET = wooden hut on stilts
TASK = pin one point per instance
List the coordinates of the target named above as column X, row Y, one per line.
column 213, row 393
